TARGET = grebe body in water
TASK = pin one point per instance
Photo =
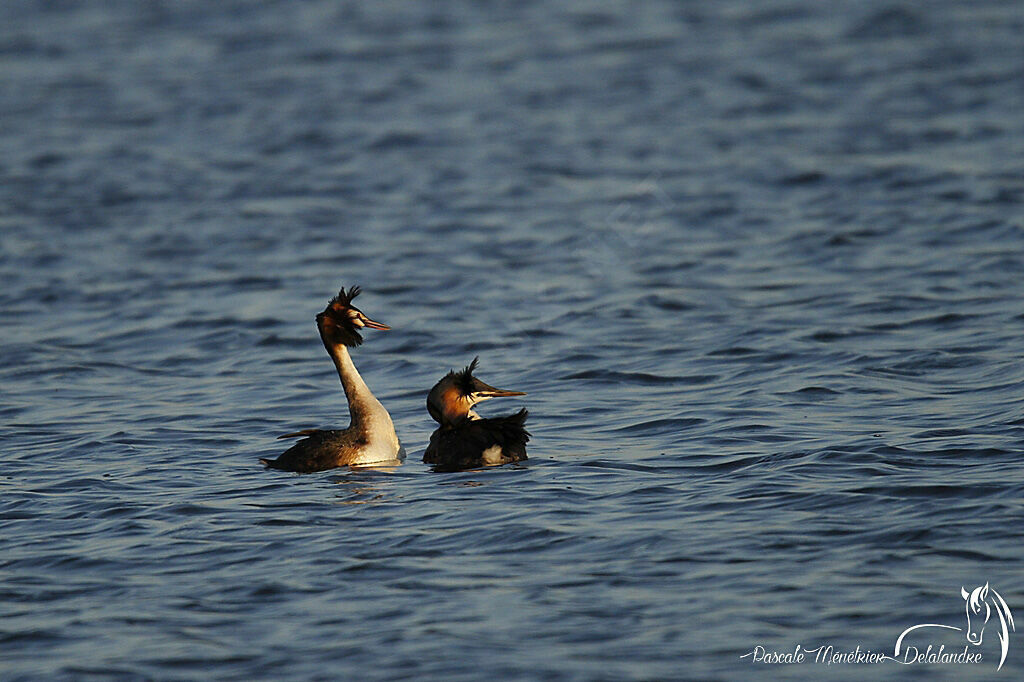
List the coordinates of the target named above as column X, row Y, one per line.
column 371, row 436
column 464, row 440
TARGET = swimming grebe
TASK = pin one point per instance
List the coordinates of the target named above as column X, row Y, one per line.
column 371, row 436
column 464, row 440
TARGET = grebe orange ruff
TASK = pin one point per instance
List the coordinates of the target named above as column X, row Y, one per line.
column 371, row 436
column 464, row 440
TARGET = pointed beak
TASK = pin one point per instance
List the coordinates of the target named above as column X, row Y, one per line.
column 370, row 324
column 498, row 393
column 482, row 391
column 485, row 391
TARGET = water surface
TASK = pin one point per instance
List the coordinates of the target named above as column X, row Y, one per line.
column 758, row 266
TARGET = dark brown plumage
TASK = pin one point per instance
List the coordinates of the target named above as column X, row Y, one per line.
column 318, row 451
column 463, row 440
column 462, row 446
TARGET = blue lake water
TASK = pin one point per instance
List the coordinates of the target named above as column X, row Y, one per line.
column 758, row 266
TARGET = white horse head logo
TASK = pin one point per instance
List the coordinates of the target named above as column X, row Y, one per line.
column 979, row 604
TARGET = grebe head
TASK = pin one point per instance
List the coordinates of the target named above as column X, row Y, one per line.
column 341, row 321
column 453, row 397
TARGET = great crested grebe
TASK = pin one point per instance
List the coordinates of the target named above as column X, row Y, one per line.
column 371, row 436
column 464, row 440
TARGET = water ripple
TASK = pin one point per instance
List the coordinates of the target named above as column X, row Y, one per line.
column 757, row 268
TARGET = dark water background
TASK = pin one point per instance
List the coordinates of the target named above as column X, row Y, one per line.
column 758, row 264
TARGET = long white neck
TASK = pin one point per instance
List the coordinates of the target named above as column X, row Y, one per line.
column 356, row 391
column 369, row 417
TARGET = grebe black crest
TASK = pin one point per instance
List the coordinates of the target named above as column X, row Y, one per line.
column 341, row 321
column 371, row 436
column 464, row 440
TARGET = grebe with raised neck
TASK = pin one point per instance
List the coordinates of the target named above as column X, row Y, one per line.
column 464, row 440
column 370, row 437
